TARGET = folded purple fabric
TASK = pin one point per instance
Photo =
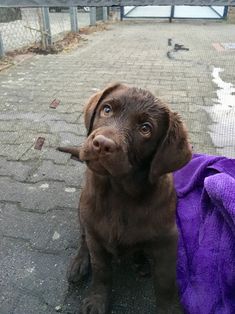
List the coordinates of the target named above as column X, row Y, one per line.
column 206, row 224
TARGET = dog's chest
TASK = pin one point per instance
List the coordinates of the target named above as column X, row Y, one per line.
column 125, row 222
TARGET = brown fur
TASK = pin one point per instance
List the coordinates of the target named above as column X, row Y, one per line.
column 128, row 201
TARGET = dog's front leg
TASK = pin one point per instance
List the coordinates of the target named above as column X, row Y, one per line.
column 97, row 301
column 164, row 272
column 79, row 265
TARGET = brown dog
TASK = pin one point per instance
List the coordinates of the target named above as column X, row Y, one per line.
column 128, row 202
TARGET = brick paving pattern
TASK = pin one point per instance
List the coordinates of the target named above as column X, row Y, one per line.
column 40, row 188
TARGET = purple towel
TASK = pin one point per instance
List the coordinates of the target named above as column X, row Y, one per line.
column 206, row 223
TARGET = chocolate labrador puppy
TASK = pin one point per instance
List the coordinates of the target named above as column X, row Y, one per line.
column 128, row 202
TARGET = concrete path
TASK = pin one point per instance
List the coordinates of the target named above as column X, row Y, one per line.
column 40, row 189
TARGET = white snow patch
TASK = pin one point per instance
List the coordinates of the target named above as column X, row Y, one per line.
column 225, row 93
column 70, row 190
column 223, row 113
column 31, row 188
column 44, row 186
column 56, row 236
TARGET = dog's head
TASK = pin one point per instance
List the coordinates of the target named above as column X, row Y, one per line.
column 129, row 130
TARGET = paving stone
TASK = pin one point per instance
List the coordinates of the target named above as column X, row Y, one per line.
column 47, row 153
column 14, row 152
column 31, row 304
column 32, row 273
column 51, row 232
column 70, row 139
column 18, row 125
column 70, row 114
column 203, row 149
column 8, row 137
column 228, row 151
column 49, row 171
column 8, row 299
column 62, row 126
column 51, row 140
column 19, row 171
column 34, row 154
column 41, row 197
column 201, row 138
column 54, row 155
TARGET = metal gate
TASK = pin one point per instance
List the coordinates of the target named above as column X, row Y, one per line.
column 175, row 12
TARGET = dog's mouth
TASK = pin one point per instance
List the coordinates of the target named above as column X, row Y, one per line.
column 96, row 166
column 113, row 164
column 106, row 153
column 100, row 163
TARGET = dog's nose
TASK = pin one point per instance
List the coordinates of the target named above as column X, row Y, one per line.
column 102, row 144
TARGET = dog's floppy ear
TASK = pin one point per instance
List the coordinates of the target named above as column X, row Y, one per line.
column 93, row 102
column 89, row 114
column 174, row 151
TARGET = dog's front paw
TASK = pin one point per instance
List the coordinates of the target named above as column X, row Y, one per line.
column 78, row 268
column 94, row 304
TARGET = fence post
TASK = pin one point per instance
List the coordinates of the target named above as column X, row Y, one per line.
column 172, row 13
column 225, row 15
column 93, row 16
column 46, row 26
column 121, row 13
column 105, row 14
column 2, row 54
column 74, row 19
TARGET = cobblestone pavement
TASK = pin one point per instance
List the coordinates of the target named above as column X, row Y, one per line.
column 40, row 189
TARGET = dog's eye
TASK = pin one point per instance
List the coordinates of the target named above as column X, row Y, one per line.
column 146, row 129
column 106, row 111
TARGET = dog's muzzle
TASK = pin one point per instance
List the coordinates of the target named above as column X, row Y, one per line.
column 103, row 145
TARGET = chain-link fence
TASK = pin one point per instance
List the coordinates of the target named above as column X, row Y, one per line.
column 21, row 27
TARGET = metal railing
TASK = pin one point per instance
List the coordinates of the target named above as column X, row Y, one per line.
column 105, row 3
